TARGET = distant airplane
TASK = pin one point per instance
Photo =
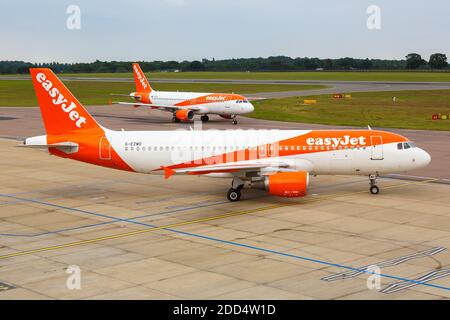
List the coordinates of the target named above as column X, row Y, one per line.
column 279, row 161
column 184, row 105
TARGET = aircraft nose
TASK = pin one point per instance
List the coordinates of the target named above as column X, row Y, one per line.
column 251, row 108
column 423, row 158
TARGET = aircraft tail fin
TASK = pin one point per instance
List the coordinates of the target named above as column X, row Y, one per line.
column 140, row 79
column 61, row 112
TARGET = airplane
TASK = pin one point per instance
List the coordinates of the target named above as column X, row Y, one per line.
column 184, row 105
column 279, row 161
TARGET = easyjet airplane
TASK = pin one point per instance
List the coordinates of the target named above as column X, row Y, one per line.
column 279, row 161
column 184, row 105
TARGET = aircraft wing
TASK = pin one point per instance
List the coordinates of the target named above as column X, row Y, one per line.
column 267, row 167
column 160, row 107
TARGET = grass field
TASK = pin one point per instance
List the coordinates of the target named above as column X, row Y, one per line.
column 21, row 93
column 412, row 110
column 349, row 76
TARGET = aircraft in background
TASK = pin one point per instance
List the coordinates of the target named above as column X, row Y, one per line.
column 278, row 161
column 184, row 105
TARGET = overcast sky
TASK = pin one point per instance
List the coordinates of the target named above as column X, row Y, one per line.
column 194, row 29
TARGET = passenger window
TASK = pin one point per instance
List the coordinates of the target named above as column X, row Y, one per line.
column 399, row 146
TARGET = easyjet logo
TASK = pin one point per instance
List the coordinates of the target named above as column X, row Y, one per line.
column 58, row 99
column 140, row 77
column 339, row 141
column 216, row 98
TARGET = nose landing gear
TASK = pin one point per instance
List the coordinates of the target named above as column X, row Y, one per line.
column 234, row 120
column 373, row 184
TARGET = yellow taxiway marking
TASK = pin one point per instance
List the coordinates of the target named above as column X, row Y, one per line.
column 179, row 224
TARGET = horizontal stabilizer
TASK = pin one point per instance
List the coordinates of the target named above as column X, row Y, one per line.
column 66, row 147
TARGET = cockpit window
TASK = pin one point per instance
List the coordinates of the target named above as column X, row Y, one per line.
column 400, row 146
column 407, row 145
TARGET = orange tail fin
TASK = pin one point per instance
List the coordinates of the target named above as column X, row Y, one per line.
column 142, row 84
column 61, row 111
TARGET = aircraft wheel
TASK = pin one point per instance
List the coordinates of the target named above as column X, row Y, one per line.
column 204, row 118
column 374, row 190
column 233, row 195
column 234, row 121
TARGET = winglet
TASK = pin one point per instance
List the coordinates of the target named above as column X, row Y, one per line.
column 168, row 172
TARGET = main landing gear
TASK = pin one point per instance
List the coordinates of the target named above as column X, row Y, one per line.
column 175, row 119
column 234, row 193
column 373, row 184
column 234, row 120
column 204, row 118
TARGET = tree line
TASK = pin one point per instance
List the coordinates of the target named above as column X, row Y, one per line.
column 412, row 61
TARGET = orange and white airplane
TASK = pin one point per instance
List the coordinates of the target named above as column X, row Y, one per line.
column 279, row 161
column 184, row 105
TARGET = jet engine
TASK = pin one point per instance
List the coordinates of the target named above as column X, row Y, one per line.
column 184, row 115
column 285, row 184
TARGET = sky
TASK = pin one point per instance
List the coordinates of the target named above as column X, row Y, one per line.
column 135, row 30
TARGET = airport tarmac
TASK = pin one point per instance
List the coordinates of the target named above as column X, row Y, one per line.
column 142, row 237
column 137, row 236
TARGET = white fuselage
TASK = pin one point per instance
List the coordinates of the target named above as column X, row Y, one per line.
column 149, row 151
column 204, row 103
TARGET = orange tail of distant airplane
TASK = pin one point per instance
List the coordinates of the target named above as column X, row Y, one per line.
column 140, row 79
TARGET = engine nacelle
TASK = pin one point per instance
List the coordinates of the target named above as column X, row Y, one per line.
column 184, row 115
column 287, row 184
column 226, row 116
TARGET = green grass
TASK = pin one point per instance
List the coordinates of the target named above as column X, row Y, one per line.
column 425, row 76
column 412, row 110
column 21, row 93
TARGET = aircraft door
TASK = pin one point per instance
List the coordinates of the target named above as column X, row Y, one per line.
column 104, row 149
column 376, row 151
